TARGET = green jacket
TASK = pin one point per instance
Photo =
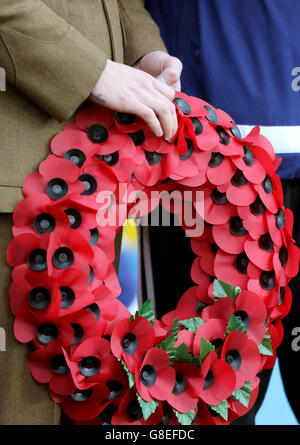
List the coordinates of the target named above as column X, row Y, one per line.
column 53, row 52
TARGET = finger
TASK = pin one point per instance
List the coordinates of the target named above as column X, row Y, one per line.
column 166, row 113
column 148, row 115
column 169, row 76
column 161, row 86
column 175, row 64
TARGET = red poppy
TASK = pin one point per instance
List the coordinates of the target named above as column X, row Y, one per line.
column 192, row 303
column 241, row 409
column 185, row 393
column 254, row 218
column 36, row 214
column 73, row 144
column 231, row 236
column 239, row 191
column 270, row 192
column 213, row 330
column 234, row 269
column 130, row 412
column 91, row 120
column 47, row 364
column 154, row 378
column 208, row 416
column 243, row 356
column 248, row 308
column 90, row 362
column 220, row 168
column 130, row 340
column 218, row 380
column 57, row 178
column 86, row 404
column 217, row 209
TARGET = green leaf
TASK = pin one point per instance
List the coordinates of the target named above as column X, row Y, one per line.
column 148, row 408
column 265, row 348
column 191, row 324
column 182, row 354
column 175, row 328
column 221, row 409
column 168, row 346
column 235, row 324
column 243, row 394
column 205, row 348
column 185, row 418
column 131, row 378
column 145, row 311
column 223, row 290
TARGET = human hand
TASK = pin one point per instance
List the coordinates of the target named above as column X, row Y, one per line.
column 130, row 90
column 162, row 66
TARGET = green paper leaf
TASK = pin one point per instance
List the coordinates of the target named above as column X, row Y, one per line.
column 145, row 311
column 168, row 346
column 131, row 378
column 221, row 409
column 223, row 290
column 175, row 328
column 205, row 348
column 191, row 324
column 265, row 348
column 235, row 324
column 148, row 408
column 185, row 418
column 182, row 354
column 243, row 394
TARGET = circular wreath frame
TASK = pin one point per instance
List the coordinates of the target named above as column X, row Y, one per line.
column 199, row 363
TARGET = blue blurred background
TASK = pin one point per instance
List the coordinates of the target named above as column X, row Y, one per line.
column 275, row 409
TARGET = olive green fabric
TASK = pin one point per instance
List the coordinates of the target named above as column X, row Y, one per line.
column 53, row 52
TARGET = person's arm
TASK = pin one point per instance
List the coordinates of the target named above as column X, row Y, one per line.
column 46, row 58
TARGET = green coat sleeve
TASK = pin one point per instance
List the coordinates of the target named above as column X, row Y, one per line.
column 46, row 58
column 142, row 34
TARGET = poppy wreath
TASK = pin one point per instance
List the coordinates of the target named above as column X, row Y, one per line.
column 199, row 364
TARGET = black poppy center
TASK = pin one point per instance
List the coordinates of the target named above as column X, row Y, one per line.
column 235, row 131
column 130, row 343
column 81, row 395
column 180, row 384
column 138, row 137
column 56, row 188
column 37, row 260
column 257, row 207
column 200, row 305
column 115, row 389
column 279, row 219
column 281, row 296
column 43, row 223
column 283, row 256
column 236, row 226
column 125, row 118
column 39, row 298
column 47, row 332
column 198, row 127
column 94, row 309
column 148, row 375
column 209, row 379
column 238, row 179
column 59, row 365
column 216, row 159
column 218, row 197
column 91, row 275
column 97, row 133
column 267, row 279
column 224, row 136
column 134, row 411
column 78, row 333
column 63, row 258
column 67, row 297
column 110, row 159
column 75, row 218
column 94, row 236
column 248, row 156
column 266, row 243
column 90, row 184
column 243, row 317
column 267, row 185
column 166, row 416
column 152, row 157
column 89, row 366
column 189, row 151
column 76, row 156
column 183, row 105
column 212, row 117
column 241, row 263
column 234, row 359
